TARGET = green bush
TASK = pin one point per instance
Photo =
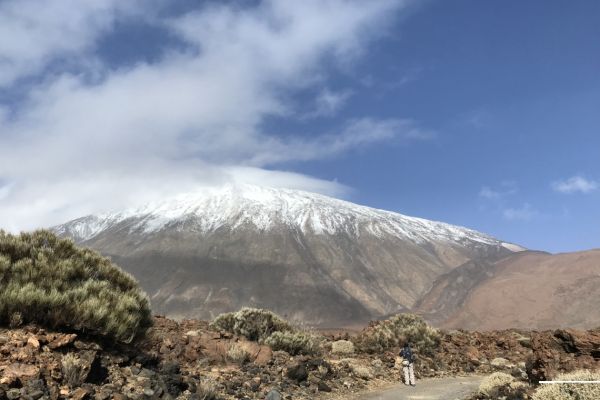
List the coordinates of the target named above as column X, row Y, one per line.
column 50, row 281
column 253, row 323
column 392, row 332
column 294, row 342
column 571, row 391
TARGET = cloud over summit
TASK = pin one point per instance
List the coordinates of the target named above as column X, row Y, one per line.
column 87, row 135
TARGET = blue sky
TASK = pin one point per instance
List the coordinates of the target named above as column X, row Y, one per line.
column 482, row 114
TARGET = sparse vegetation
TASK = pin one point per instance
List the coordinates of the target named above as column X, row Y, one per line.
column 492, row 384
column 253, row 323
column 266, row 327
column 207, row 390
column 342, row 347
column 49, row 281
column 394, row 331
column 16, row 320
column 238, row 354
column 571, row 391
column 74, row 372
column 361, row 371
column 294, row 342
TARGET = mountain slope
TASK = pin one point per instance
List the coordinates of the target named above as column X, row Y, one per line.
column 307, row 256
column 529, row 290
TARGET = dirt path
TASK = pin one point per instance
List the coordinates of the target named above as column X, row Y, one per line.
column 457, row 388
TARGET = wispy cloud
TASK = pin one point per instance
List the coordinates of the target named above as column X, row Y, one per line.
column 192, row 117
column 35, row 33
column 329, row 102
column 575, row 184
column 524, row 213
column 506, row 188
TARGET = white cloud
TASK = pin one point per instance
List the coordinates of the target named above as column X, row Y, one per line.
column 192, row 118
column 34, row 33
column 329, row 102
column 524, row 213
column 575, row 184
column 506, row 188
column 489, row 193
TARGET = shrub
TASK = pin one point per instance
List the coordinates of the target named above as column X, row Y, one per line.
column 493, row 383
column 238, row 354
column 294, row 342
column 343, row 347
column 15, row 320
column 253, row 323
column 500, row 362
column 207, row 390
column 361, row 371
column 571, row 391
column 74, row 370
column 50, row 281
column 393, row 332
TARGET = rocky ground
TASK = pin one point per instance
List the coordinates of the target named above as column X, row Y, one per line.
column 187, row 360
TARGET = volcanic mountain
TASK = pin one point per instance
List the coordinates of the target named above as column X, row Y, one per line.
column 528, row 290
column 306, row 256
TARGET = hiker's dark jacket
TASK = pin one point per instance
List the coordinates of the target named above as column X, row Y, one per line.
column 407, row 354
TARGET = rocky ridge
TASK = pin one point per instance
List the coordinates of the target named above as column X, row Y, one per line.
column 186, row 360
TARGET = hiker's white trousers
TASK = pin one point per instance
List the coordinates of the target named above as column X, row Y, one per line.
column 409, row 374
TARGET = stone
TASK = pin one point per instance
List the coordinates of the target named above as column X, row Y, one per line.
column 323, row 387
column 62, row 341
column 13, row 394
column 33, row 342
column 80, row 394
column 563, row 350
column 36, row 394
column 297, row 373
column 19, row 371
column 273, row 395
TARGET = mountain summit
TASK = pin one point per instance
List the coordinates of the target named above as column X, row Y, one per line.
column 304, row 255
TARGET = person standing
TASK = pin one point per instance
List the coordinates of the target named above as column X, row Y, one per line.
column 408, row 364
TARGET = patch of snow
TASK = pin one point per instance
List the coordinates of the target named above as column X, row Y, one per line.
column 513, row 247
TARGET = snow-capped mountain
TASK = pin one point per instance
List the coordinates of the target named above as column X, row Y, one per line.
column 306, row 255
column 236, row 206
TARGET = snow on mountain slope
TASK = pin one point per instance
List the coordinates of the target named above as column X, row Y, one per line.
column 314, row 258
column 235, row 206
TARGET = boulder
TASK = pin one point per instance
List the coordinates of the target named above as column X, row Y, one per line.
column 563, row 350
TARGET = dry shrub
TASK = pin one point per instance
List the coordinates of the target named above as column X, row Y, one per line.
column 361, row 371
column 253, row 323
column 343, row 347
column 207, row 390
column 571, row 391
column 16, row 320
column 492, row 384
column 384, row 335
column 294, row 342
column 50, row 281
column 238, row 354
column 74, row 370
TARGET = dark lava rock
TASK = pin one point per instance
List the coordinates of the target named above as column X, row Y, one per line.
column 323, row 387
column 299, row 373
